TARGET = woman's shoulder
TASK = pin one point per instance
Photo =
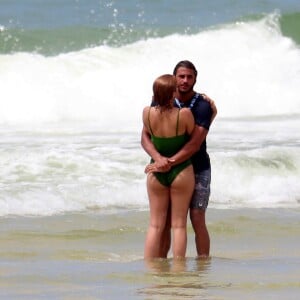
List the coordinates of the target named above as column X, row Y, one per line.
column 186, row 112
column 146, row 109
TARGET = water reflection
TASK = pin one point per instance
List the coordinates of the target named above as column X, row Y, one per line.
column 176, row 279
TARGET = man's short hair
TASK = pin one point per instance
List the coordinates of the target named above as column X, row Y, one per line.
column 185, row 64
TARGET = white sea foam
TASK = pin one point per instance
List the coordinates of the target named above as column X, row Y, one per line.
column 49, row 172
column 70, row 124
column 250, row 69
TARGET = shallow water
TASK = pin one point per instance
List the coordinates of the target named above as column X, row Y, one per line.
column 254, row 253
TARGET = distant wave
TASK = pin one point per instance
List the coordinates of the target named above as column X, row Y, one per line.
column 53, row 41
column 290, row 24
column 250, row 69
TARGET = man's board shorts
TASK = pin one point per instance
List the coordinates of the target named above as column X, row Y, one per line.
column 201, row 193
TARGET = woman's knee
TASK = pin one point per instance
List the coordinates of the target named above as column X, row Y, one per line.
column 179, row 223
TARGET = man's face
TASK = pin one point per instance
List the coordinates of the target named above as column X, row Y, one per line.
column 185, row 79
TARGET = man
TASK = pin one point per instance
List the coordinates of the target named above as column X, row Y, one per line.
column 204, row 111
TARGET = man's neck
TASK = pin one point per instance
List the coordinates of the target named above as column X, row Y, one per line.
column 184, row 97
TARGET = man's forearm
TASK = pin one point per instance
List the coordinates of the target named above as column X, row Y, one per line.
column 185, row 153
column 191, row 147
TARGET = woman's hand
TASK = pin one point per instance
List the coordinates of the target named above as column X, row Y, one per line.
column 157, row 167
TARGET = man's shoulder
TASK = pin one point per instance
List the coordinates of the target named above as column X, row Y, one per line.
column 202, row 112
column 202, row 104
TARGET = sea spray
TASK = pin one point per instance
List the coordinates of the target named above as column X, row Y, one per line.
column 253, row 73
column 70, row 123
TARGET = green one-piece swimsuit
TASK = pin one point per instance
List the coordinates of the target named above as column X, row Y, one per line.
column 168, row 146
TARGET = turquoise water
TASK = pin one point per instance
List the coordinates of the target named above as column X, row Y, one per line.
column 53, row 27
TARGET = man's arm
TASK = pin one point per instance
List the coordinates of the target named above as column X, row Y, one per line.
column 198, row 136
column 192, row 146
column 163, row 163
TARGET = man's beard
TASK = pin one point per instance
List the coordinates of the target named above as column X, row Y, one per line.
column 184, row 92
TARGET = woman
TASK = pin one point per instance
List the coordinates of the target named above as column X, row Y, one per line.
column 169, row 128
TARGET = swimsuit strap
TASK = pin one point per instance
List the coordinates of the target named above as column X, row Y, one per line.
column 149, row 121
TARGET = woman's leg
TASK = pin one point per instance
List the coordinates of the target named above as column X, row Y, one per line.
column 181, row 193
column 159, row 201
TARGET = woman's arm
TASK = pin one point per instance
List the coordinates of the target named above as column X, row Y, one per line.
column 191, row 147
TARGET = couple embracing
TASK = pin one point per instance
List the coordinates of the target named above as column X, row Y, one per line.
column 174, row 133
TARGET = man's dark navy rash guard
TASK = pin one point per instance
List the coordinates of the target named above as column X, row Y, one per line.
column 202, row 113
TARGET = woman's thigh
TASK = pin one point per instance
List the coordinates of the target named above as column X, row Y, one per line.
column 159, row 198
column 181, row 192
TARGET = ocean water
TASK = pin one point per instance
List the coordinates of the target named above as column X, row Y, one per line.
column 74, row 78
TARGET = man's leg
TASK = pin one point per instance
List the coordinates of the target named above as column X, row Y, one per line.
column 202, row 239
column 198, row 207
